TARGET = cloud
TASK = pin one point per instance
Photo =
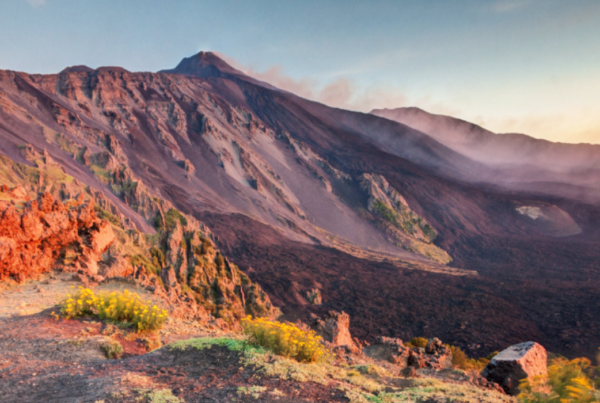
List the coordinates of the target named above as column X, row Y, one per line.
column 275, row 75
column 572, row 126
column 340, row 93
column 36, row 3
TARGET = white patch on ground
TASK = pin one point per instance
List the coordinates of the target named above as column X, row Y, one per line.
column 532, row 212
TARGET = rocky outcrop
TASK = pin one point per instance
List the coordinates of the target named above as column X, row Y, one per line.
column 92, row 237
column 434, row 356
column 517, row 362
column 193, row 266
column 314, row 296
column 36, row 235
column 388, row 349
column 391, row 212
column 334, row 329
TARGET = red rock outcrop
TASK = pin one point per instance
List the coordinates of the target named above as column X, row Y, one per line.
column 334, row 328
column 34, row 238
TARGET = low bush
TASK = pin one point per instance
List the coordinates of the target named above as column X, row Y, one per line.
column 461, row 361
column 566, row 382
column 286, row 339
column 112, row 349
column 125, row 307
column 417, row 342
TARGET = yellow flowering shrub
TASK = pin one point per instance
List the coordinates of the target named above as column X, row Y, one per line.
column 286, row 339
column 123, row 306
column 566, row 382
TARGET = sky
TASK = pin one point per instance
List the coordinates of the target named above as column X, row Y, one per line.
column 527, row 66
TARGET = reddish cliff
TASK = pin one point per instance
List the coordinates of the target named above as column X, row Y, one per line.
column 37, row 235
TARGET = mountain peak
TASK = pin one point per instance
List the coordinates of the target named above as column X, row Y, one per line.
column 204, row 64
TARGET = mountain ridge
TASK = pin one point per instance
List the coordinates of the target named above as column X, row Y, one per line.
column 285, row 173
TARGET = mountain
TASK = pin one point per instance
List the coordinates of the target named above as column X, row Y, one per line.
column 406, row 234
column 522, row 162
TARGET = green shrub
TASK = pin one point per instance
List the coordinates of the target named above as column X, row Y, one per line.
column 172, row 216
column 417, row 342
column 158, row 258
column 462, row 361
column 385, row 211
column 112, row 349
column 566, row 382
column 141, row 260
column 105, row 215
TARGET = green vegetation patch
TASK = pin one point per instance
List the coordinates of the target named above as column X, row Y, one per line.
column 158, row 396
column 105, row 215
column 172, row 216
column 208, row 342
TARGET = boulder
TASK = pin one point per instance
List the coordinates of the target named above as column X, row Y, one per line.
column 517, row 362
column 334, row 328
column 388, row 349
column 438, row 355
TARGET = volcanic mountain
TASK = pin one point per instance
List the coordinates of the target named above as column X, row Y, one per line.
column 519, row 161
column 406, row 232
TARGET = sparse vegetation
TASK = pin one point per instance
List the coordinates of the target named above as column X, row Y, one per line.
column 567, row 382
column 417, row 342
column 152, row 343
column 125, row 307
column 113, row 349
column 172, row 216
column 462, row 361
column 286, row 339
column 254, row 391
column 141, row 260
column 159, row 396
column 105, row 215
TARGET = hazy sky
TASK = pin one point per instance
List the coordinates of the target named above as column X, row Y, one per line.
column 530, row 66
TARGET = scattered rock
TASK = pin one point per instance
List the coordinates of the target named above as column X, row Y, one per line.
column 334, row 328
column 314, row 297
column 435, row 355
column 517, row 362
column 388, row 349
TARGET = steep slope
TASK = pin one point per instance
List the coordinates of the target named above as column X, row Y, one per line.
column 44, row 228
column 304, row 196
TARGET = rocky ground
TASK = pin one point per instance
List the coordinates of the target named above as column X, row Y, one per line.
column 48, row 360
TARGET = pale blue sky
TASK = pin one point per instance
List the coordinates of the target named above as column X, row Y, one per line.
column 531, row 66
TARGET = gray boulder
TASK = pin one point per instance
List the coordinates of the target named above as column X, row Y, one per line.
column 518, row 362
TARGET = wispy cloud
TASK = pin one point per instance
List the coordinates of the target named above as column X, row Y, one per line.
column 339, row 92
column 571, row 126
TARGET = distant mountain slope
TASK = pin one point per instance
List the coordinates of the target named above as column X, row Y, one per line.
column 522, row 157
column 370, row 211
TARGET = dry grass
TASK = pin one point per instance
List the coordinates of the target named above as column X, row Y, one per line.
column 360, row 383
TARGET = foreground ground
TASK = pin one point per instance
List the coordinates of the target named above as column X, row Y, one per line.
column 43, row 359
